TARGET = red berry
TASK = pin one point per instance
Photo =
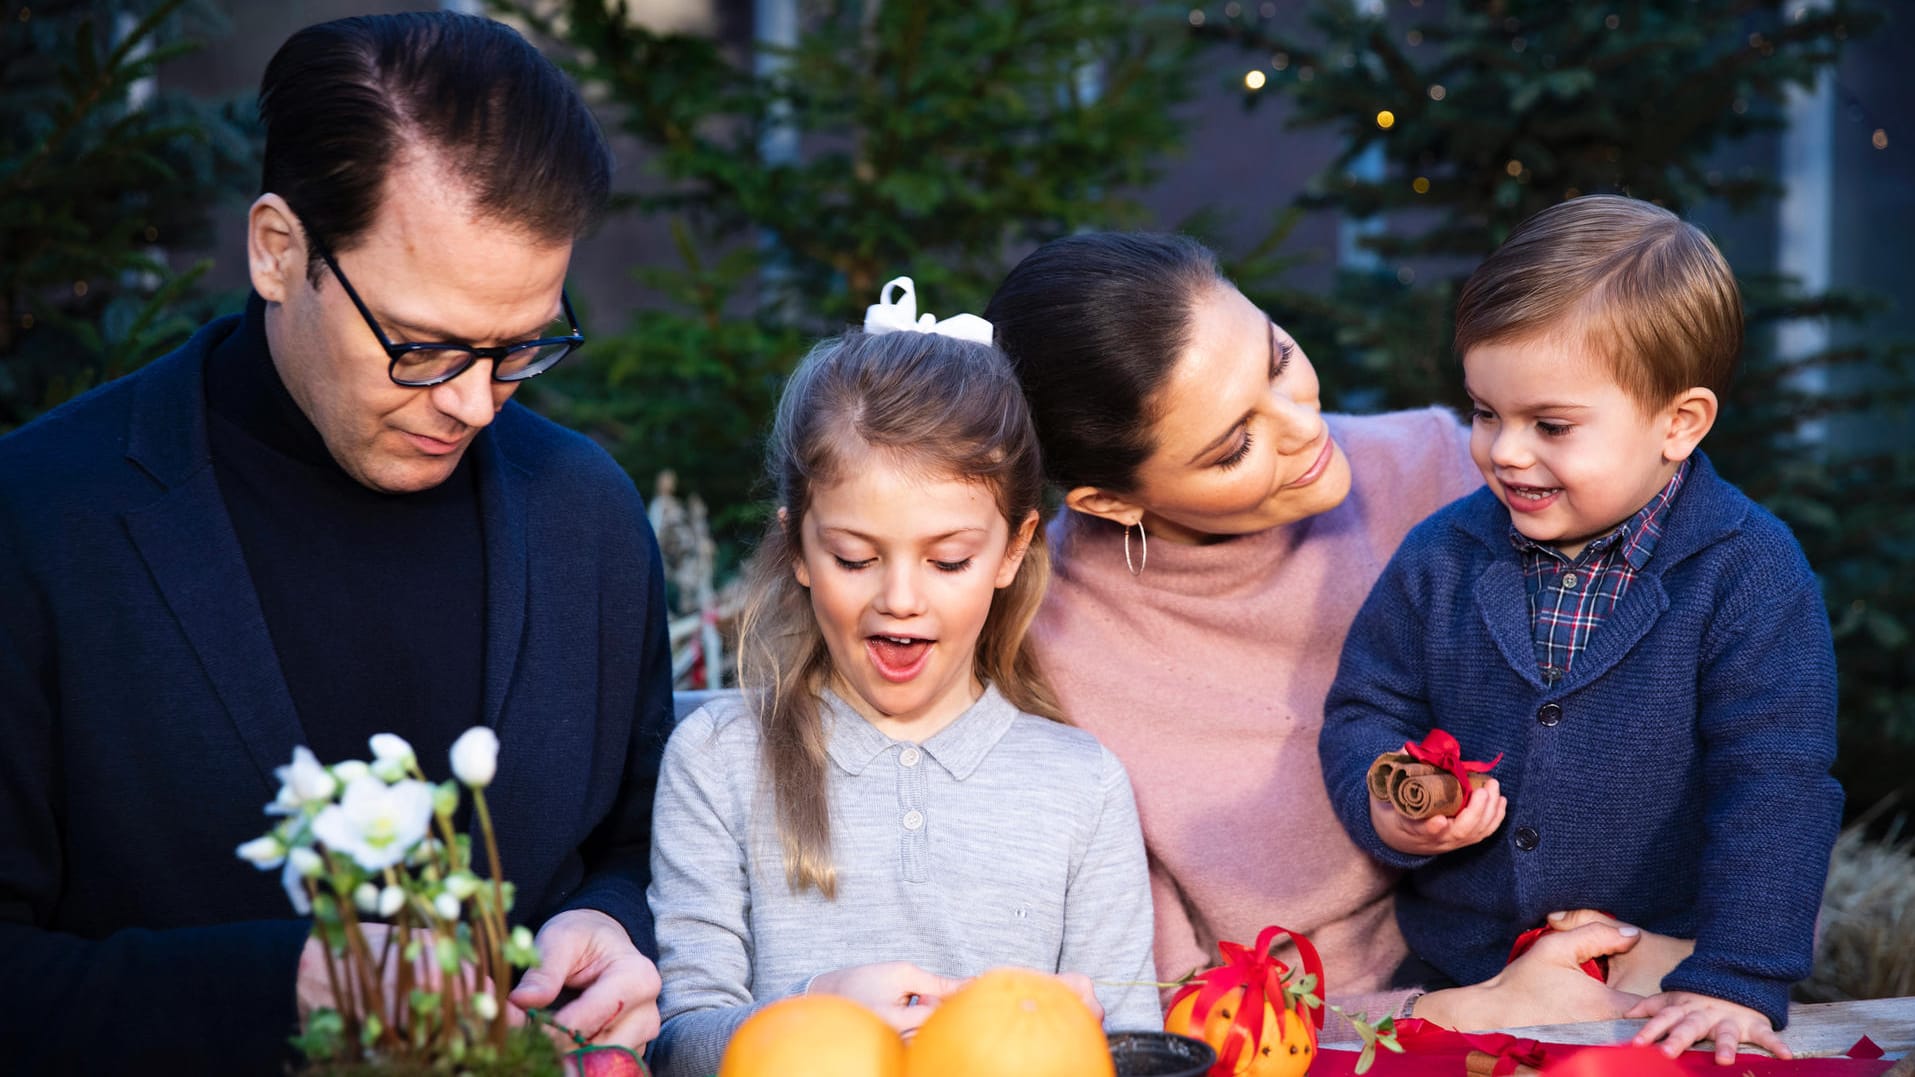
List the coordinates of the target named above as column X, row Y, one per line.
column 608, row 1062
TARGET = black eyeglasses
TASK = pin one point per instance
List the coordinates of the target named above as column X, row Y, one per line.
column 417, row 366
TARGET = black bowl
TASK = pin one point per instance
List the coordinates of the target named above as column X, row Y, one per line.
column 1159, row 1054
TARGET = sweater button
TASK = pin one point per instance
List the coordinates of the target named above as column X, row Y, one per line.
column 1550, row 714
column 913, row 820
column 1526, row 838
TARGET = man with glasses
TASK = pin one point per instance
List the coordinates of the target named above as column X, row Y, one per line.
column 319, row 520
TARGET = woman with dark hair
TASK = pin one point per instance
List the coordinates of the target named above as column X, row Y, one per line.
column 1222, row 533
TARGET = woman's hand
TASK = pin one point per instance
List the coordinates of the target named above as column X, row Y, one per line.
column 1677, row 1019
column 1081, row 984
column 1641, row 969
column 1441, row 833
column 898, row 991
column 1545, row 986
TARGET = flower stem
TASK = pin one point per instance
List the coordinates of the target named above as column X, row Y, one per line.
column 495, row 929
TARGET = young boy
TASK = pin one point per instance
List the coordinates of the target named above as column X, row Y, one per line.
column 1645, row 646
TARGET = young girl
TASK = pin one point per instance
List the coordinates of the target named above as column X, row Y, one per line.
column 894, row 805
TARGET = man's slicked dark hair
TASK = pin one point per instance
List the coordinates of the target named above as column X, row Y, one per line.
column 344, row 101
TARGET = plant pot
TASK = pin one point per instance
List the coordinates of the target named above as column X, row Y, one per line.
column 1160, row 1054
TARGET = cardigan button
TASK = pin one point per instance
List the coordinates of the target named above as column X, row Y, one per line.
column 1550, row 714
column 1527, row 838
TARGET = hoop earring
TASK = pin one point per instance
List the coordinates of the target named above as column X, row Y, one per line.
column 1143, row 541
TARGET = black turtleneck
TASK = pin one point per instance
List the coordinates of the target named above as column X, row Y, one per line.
column 375, row 602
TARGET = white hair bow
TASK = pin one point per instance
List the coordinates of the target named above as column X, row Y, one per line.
column 890, row 315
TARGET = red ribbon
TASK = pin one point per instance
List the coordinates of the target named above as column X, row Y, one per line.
column 1261, row 976
column 1440, row 750
column 1596, row 967
column 1418, row 1036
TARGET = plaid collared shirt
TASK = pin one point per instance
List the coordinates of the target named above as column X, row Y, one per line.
column 1569, row 599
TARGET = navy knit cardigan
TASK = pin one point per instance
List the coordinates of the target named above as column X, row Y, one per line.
column 1678, row 777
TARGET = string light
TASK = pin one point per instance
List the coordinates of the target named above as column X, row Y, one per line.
column 1421, row 185
column 1196, row 16
column 1280, row 61
column 1437, row 92
column 1414, row 37
column 79, row 288
column 1879, row 139
column 1386, row 119
column 1253, row 79
column 1232, row 9
column 1514, row 167
column 1612, row 21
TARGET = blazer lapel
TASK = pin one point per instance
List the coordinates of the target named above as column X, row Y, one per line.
column 1503, row 604
column 514, row 794
column 1632, row 619
column 187, row 541
column 502, row 510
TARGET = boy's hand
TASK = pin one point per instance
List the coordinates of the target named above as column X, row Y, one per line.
column 1680, row 1018
column 1638, row 971
column 1441, row 833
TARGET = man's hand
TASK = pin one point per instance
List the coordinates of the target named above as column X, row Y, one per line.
column 1441, row 833
column 588, row 950
column 898, row 991
column 1640, row 970
column 1679, row 1019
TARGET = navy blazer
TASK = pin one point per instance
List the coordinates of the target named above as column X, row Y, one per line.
column 142, row 712
column 1678, row 777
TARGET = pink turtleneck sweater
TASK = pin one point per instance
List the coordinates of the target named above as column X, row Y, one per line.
column 1206, row 675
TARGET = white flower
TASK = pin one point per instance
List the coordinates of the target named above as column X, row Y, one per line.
column 446, row 906
column 462, row 884
column 265, row 852
column 391, row 900
column 305, row 863
column 475, row 756
column 391, row 756
column 350, row 769
column 301, row 784
column 295, row 885
column 391, row 746
column 485, row 1005
column 374, row 823
column 365, row 897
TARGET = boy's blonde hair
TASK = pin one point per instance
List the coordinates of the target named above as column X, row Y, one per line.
column 1652, row 296
column 945, row 407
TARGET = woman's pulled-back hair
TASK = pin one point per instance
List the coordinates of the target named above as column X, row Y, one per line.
column 936, row 404
column 1093, row 325
column 1646, row 290
column 345, row 101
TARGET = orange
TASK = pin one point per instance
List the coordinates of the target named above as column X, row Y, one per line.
column 1011, row 1021
column 1288, row 1054
column 813, row 1036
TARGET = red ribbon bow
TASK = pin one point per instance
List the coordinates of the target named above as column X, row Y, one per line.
column 1261, row 976
column 1439, row 749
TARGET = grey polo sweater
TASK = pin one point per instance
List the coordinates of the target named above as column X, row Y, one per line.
column 1005, row 839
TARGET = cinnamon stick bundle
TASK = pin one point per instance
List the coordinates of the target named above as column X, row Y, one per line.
column 1418, row 790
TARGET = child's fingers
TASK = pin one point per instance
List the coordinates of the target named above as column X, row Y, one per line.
column 1765, row 1037
column 1685, row 1027
column 1727, row 1040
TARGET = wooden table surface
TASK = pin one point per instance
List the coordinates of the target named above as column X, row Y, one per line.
column 1815, row 1029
